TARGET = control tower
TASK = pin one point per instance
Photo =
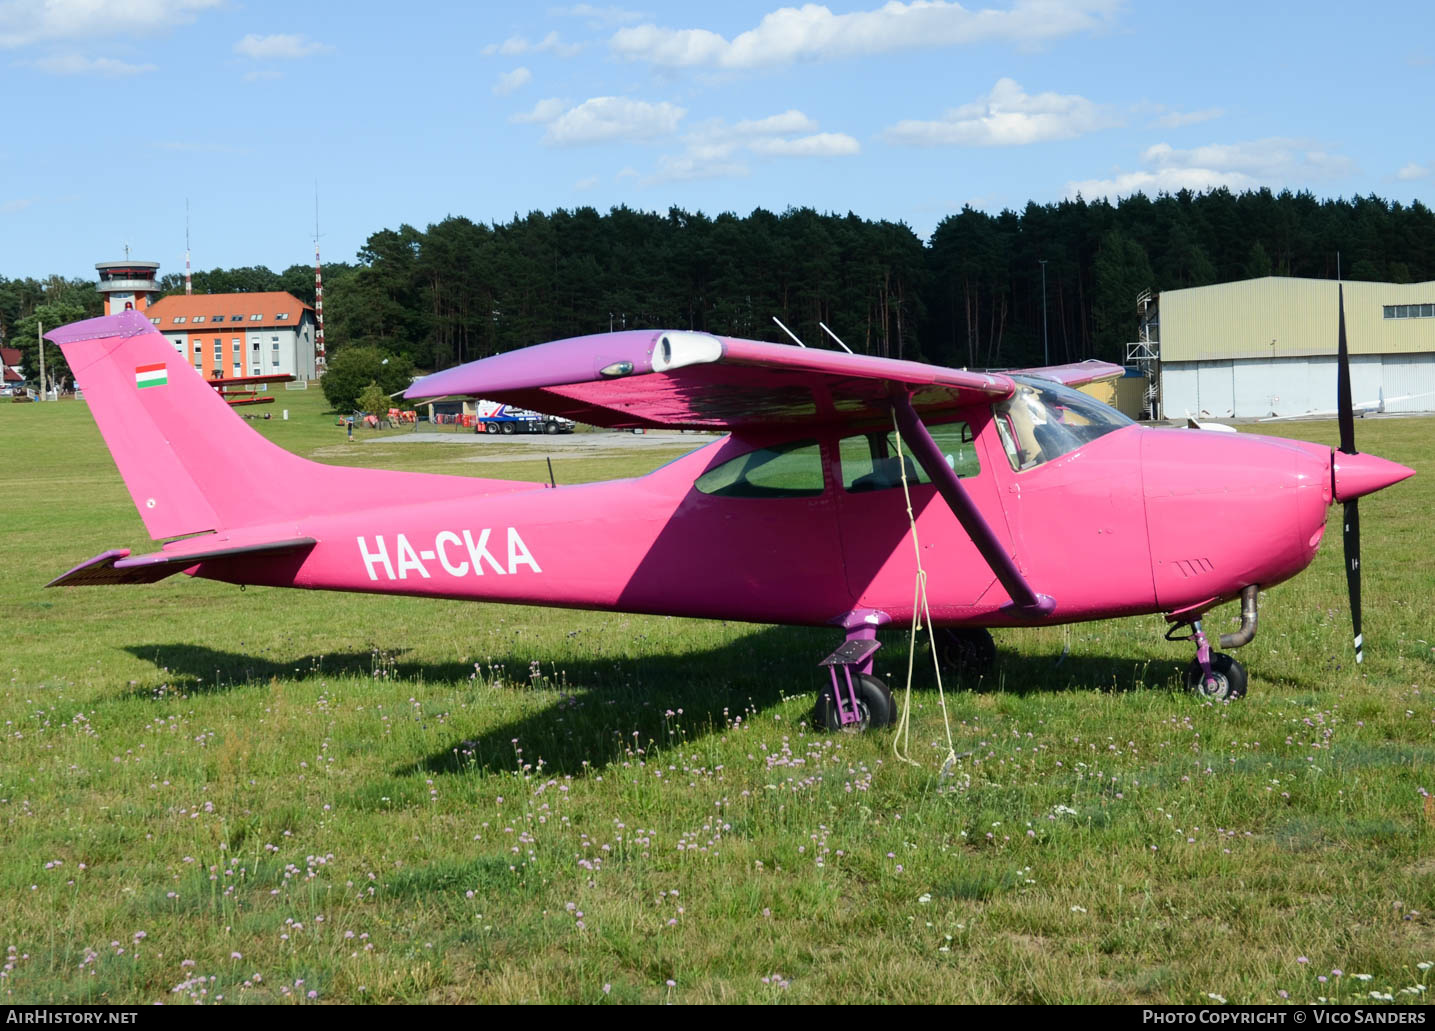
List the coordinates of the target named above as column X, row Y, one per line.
column 128, row 284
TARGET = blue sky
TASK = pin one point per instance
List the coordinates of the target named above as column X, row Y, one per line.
column 121, row 110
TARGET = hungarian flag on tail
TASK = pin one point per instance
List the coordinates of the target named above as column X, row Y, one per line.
column 150, row 375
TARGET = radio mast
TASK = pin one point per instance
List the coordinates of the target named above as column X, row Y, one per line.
column 318, row 292
column 188, row 288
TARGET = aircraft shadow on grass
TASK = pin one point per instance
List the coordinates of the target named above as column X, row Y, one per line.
column 609, row 705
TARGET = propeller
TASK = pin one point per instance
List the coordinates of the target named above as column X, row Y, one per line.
column 1346, row 406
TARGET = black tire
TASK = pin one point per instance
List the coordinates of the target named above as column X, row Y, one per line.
column 1229, row 678
column 509, row 427
column 550, row 427
column 874, row 705
column 966, row 651
column 490, row 427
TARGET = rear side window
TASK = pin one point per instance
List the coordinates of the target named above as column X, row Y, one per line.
column 873, row 461
column 785, row 471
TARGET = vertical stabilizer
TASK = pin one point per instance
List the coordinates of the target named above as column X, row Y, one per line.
column 189, row 462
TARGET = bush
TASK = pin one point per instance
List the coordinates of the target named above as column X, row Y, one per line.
column 354, row 368
column 375, row 401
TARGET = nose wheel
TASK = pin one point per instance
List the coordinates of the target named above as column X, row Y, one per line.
column 1225, row 682
column 1215, row 675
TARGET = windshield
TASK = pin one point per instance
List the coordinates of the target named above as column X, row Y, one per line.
column 1044, row 420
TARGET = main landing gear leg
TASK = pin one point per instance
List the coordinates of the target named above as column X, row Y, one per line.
column 1215, row 675
column 855, row 700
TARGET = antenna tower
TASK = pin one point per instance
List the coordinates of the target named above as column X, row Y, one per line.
column 188, row 288
column 318, row 291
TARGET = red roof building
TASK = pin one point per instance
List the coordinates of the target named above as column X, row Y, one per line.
column 230, row 335
column 10, row 361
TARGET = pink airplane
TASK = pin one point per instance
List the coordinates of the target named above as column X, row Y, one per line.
column 1033, row 504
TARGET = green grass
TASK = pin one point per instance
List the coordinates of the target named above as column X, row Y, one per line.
column 393, row 799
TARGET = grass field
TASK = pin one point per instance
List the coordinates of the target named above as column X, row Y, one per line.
column 265, row 796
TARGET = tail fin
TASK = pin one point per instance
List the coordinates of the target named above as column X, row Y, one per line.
column 190, row 462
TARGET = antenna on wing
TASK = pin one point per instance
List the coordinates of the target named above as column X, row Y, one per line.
column 834, row 336
column 789, row 332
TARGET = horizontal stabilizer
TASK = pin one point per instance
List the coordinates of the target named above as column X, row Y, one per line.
column 116, row 567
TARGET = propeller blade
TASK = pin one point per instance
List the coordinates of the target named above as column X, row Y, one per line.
column 1352, row 508
column 1352, row 572
column 1343, row 400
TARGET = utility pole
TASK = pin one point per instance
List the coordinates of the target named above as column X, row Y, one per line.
column 1045, row 347
column 40, row 336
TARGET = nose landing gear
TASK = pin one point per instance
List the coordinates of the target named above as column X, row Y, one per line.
column 1215, row 675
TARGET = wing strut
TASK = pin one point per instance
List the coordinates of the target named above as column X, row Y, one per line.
column 929, row 456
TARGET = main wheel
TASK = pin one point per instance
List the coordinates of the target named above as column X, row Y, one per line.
column 966, row 651
column 550, row 427
column 1227, row 683
column 490, row 427
column 875, row 707
column 509, row 427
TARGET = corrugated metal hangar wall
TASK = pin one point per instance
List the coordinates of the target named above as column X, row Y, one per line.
column 1267, row 346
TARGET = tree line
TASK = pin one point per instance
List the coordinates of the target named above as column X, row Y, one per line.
column 972, row 295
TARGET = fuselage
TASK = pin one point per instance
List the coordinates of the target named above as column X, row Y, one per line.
column 804, row 529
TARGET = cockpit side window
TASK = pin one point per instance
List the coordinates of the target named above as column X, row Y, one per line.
column 1044, row 420
column 791, row 470
column 871, row 461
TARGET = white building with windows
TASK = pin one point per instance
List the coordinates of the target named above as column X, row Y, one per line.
column 1268, row 346
column 227, row 336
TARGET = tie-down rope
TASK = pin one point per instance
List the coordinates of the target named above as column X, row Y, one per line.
column 901, row 743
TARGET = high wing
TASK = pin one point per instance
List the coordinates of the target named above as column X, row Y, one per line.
column 685, row 380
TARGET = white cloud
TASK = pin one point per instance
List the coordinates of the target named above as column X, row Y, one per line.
column 822, row 144
column 510, row 81
column 280, row 46
column 788, row 121
column 1274, row 158
column 607, row 119
column 263, row 75
column 1008, row 116
column 11, row 207
column 1179, row 119
column 713, row 150
column 689, row 167
column 1412, row 171
column 549, row 44
column 586, row 183
column 1276, row 161
column 74, row 64
column 813, row 32
column 1167, row 180
column 541, row 113
column 23, row 22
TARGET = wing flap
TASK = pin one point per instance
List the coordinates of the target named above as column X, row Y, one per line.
column 682, row 380
column 116, row 567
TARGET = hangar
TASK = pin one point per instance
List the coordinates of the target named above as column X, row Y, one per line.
column 1267, row 346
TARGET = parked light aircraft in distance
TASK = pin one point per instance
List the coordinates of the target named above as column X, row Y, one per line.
column 1034, row 504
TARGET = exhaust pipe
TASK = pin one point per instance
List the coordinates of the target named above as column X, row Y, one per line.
column 1247, row 632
